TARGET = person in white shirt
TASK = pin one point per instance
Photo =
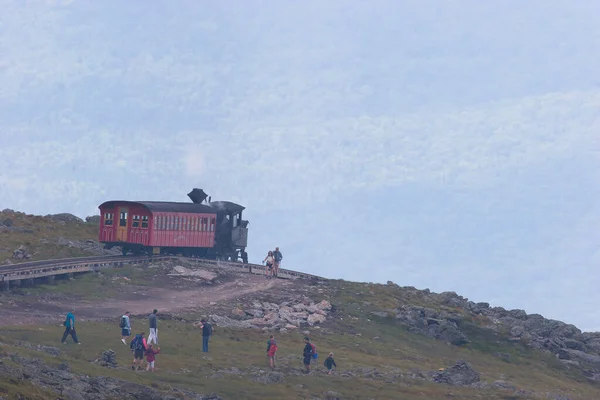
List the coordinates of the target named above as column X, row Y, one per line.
column 269, row 260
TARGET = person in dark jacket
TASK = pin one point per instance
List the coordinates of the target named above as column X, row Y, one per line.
column 329, row 363
column 277, row 257
column 152, row 322
column 307, row 353
column 138, row 346
column 206, row 334
column 69, row 325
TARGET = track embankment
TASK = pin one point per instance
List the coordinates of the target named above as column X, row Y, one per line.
column 51, row 268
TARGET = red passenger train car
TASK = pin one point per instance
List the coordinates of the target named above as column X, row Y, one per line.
column 201, row 228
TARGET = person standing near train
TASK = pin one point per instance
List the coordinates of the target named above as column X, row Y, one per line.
column 277, row 257
column 269, row 260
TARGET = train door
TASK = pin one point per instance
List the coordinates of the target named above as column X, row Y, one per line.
column 123, row 224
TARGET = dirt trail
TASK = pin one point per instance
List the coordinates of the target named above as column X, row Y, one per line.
column 167, row 300
column 172, row 301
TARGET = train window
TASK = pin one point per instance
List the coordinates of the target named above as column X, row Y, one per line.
column 204, row 224
column 136, row 221
column 184, row 225
column 196, row 224
column 212, row 224
column 108, row 218
column 144, row 221
column 189, row 224
column 123, row 219
column 176, row 223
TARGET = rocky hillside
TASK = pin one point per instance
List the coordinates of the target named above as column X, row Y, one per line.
column 25, row 237
column 389, row 341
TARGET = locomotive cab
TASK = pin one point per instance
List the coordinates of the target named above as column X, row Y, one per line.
column 232, row 230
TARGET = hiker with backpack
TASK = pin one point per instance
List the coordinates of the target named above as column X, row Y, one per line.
column 329, row 363
column 69, row 325
column 151, row 357
column 277, row 257
column 207, row 332
column 153, row 336
column 309, row 353
column 271, row 351
column 138, row 347
column 125, row 326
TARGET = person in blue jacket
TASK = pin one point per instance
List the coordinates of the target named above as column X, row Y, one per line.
column 70, row 329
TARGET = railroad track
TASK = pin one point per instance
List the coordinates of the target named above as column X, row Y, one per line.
column 52, row 268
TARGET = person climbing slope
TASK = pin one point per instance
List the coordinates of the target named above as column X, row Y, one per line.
column 308, row 353
column 329, row 363
column 138, row 347
column 69, row 325
column 151, row 357
column 271, row 351
column 125, row 327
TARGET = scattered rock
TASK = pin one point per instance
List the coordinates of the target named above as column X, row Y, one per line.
column 331, row 395
column 53, row 351
column 226, row 322
column 198, row 273
column 107, row 359
column 21, row 254
column 460, row 373
column 72, row 386
column 93, row 219
column 65, row 217
column 269, row 378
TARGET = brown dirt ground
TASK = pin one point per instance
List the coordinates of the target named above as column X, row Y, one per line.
column 170, row 296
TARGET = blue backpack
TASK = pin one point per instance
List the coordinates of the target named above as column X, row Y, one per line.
column 137, row 343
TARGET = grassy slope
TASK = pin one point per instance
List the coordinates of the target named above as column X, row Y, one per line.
column 41, row 244
column 181, row 362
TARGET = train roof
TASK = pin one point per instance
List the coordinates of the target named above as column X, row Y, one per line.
column 214, row 207
column 165, row 206
column 227, row 206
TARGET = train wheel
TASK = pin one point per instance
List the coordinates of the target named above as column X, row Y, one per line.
column 124, row 251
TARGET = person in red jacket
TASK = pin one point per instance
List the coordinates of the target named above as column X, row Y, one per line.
column 151, row 357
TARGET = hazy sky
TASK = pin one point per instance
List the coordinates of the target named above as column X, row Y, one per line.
column 449, row 145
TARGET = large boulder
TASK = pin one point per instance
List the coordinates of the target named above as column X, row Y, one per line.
column 460, row 373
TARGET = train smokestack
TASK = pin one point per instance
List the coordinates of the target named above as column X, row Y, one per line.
column 197, row 196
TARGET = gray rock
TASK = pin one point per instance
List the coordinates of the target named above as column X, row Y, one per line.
column 269, row 378
column 93, row 219
column 460, row 373
column 381, row 314
column 107, row 359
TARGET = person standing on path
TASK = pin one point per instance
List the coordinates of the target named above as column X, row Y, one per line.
column 307, row 353
column 269, row 260
column 206, row 334
column 125, row 327
column 277, row 257
column 152, row 322
column 69, row 325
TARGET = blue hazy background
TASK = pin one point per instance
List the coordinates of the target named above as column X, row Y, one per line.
column 449, row 145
